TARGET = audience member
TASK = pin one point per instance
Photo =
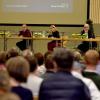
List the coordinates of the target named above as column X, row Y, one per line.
column 33, row 81
column 92, row 58
column 25, row 43
column 18, row 69
column 2, row 59
column 63, row 85
column 13, row 52
column 77, row 72
column 78, row 58
column 50, row 66
column 47, row 54
column 40, row 60
column 4, row 82
column 55, row 34
column 98, row 65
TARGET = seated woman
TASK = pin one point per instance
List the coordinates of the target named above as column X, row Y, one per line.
column 55, row 34
column 85, row 45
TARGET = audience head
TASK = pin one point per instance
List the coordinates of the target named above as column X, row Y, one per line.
column 4, row 81
column 92, row 57
column 77, row 56
column 9, row 96
column 47, row 54
column 63, row 58
column 86, row 27
column 40, row 58
column 2, row 57
column 49, row 63
column 32, row 63
column 13, row 52
column 18, row 68
column 78, row 66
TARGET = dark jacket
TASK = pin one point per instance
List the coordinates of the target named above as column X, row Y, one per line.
column 90, row 35
column 54, row 34
column 63, row 86
column 85, row 45
column 94, row 77
column 23, row 93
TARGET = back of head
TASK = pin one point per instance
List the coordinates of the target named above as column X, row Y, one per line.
column 18, row 68
column 4, row 81
column 49, row 64
column 13, row 52
column 47, row 54
column 77, row 56
column 92, row 57
column 9, row 96
column 32, row 62
column 63, row 58
column 2, row 57
column 40, row 58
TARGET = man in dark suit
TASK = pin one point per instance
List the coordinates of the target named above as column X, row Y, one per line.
column 25, row 43
column 85, row 45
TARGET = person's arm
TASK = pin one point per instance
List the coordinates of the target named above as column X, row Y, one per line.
column 56, row 34
column 20, row 33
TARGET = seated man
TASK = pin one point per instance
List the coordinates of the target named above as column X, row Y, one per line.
column 85, row 45
column 25, row 43
column 55, row 34
column 91, row 59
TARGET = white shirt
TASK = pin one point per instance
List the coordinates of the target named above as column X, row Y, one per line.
column 33, row 83
column 94, row 92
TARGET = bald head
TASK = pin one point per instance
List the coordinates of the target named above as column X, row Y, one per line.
column 92, row 57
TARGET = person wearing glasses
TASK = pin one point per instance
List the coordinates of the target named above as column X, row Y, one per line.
column 85, row 45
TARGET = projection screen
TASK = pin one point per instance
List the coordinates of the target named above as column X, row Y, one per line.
column 43, row 11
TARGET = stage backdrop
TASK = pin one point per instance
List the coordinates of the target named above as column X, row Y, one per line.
column 43, row 11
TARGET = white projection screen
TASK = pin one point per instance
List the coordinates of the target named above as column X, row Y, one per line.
column 43, row 11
